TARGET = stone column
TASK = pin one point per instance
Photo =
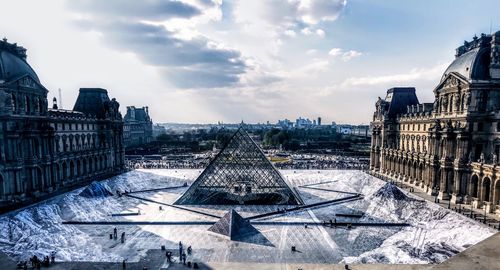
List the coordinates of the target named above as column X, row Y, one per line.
column 444, row 184
column 456, row 196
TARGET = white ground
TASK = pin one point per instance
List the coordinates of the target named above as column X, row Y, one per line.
column 435, row 233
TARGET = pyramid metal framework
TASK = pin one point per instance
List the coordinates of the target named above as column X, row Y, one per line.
column 240, row 174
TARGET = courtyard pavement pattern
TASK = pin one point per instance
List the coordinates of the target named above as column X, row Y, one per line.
column 435, row 233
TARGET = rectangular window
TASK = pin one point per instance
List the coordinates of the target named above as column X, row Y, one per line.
column 478, row 149
column 497, row 151
column 480, row 126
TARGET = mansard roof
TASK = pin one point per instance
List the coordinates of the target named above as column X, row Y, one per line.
column 398, row 98
column 91, row 101
column 140, row 114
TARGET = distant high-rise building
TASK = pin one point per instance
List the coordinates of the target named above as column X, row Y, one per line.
column 285, row 123
column 319, row 121
column 303, row 123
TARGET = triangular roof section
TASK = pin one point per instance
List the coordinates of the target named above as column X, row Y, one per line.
column 240, row 174
column 233, row 226
column 447, row 77
column 27, row 80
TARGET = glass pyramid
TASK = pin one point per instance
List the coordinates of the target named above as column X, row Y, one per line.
column 234, row 226
column 240, row 174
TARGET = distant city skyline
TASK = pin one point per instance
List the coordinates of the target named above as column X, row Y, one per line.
column 201, row 61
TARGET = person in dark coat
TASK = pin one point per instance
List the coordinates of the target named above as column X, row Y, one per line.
column 180, row 250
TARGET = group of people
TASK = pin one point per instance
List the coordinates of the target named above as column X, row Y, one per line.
column 37, row 263
column 168, row 164
column 119, row 193
column 323, row 164
column 182, row 253
column 115, row 235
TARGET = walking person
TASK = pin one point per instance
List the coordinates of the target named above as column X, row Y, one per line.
column 180, row 250
column 184, row 258
column 53, row 257
column 123, row 237
column 115, row 233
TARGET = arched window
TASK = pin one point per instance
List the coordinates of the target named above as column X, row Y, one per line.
column 474, row 186
column 485, row 194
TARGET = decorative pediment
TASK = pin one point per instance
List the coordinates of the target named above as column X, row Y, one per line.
column 452, row 80
column 29, row 82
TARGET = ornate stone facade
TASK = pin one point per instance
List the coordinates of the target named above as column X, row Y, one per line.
column 138, row 127
column 449, row 148
column 46, row 151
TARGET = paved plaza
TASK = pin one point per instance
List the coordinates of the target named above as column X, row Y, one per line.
column 357, row 219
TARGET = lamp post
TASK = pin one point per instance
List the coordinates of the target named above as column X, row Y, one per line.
column 484, row 220
column 449, row 189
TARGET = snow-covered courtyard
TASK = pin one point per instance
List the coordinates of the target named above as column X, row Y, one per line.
column 434, row 234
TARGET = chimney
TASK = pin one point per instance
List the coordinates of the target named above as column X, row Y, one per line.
column 495, row 56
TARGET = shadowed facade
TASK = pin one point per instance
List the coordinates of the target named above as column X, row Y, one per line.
column 46, row 151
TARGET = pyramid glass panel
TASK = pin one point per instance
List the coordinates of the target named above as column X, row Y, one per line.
column 240, row 174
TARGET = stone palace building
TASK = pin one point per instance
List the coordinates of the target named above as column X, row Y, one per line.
column 451, row 147
column 138, row 126
column 46, row 151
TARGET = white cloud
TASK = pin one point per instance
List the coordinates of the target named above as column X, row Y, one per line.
column 320, row 33
column 350, row 55
column 311, row 52
column 314, row 11
column 344, row 55
column 290, row 33
column 307, row 31
column 282, row 16
column 176, row 49
column 432, row 73
column 335, row 52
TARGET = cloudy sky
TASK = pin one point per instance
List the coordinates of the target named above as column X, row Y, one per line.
column 203, row 61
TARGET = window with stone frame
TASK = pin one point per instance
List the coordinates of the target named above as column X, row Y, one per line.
column 480, row 126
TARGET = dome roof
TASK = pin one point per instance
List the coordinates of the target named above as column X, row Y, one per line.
column 472, row 65
column 13, row 66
